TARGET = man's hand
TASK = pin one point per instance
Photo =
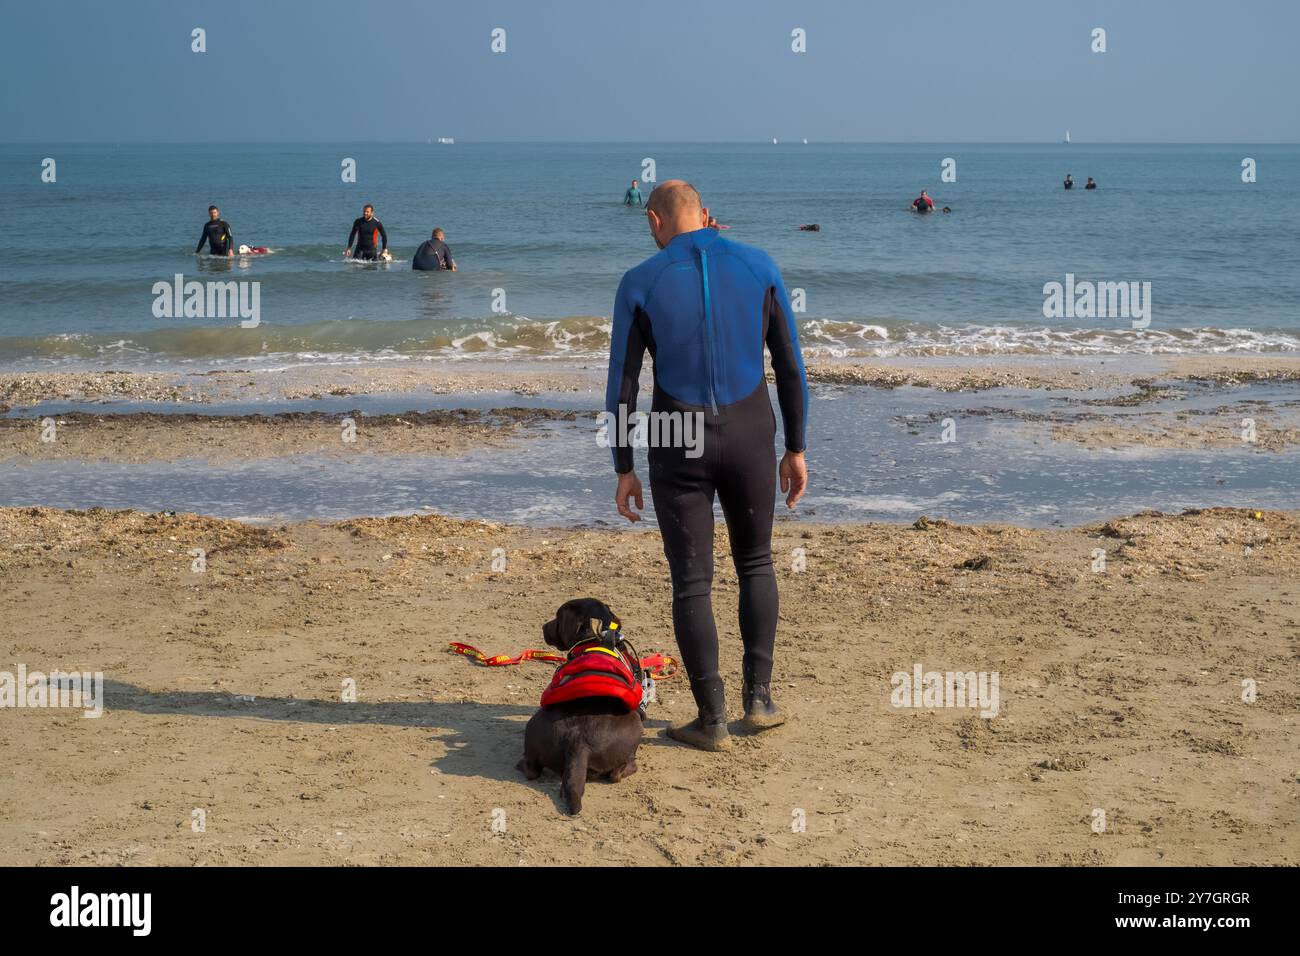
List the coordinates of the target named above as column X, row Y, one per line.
column 794, row 477
column 347, row 253
column 629, row 486
column 230, row 253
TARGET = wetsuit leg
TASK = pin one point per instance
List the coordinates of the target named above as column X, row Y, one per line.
column 739, row 465
column 746, row 483
column 681, row 491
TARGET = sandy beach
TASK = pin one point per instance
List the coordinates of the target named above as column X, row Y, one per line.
column 1122, row 648
column 1121, row 691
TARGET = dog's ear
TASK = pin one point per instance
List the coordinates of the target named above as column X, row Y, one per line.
column 599, row 616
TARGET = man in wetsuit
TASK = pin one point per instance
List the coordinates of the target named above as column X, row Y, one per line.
column 923, row 202
column 705, row 307
column 367, row 231
column 1090, row 184
column 1069, row 181
column 216, row 233
column 633, row 195
column 434, row 255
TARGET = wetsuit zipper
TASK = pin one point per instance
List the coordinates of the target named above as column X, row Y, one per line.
column 708, row 330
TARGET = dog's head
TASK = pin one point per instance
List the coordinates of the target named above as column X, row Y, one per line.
column 576, row 621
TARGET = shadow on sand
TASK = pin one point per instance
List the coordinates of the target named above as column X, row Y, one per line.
column 479, row 740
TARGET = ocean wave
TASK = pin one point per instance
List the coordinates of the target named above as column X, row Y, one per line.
column 587, row 337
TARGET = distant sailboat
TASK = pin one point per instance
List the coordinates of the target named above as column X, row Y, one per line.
column 1067, row 137
column 773, row 140
column 446, row 140
column 805, row 140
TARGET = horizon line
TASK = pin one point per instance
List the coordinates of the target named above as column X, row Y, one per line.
column 795, row 141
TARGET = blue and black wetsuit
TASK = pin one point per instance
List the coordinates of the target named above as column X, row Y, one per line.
column 705, row 307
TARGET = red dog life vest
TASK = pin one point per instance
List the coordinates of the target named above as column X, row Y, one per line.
column 594, row 671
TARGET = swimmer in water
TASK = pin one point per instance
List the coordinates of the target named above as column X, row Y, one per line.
column 1090, row 184
column 810, row 227
column 1069, row 181
column 946, row 210
column 366, row 230
column 434, row 255
column 923, row 203
column 633, row 195
column 216, row 233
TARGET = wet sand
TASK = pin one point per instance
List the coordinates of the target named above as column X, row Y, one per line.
column 534, row 377
column 151, row 436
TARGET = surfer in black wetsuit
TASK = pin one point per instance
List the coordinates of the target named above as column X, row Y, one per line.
column 1090, row 184
column 216, row 233
column 366, row 231
column 1069, row 181
column 434, row 255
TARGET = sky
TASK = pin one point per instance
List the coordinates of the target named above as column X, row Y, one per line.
column 667, row 71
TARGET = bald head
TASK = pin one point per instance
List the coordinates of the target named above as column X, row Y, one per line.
column 673, row 208
column 673, row 198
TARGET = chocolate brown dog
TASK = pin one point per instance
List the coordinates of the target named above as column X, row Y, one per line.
column 593, row 735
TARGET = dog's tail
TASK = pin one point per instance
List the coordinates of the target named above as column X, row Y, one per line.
column 575, row 778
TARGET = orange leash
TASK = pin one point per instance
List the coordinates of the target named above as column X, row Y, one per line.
column 658, row 666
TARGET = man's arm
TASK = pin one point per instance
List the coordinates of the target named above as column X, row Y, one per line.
column 356, row 230
column 382, row 234
column 626, row 351
column 787, row 365
column 203, row 237
column 230, row 238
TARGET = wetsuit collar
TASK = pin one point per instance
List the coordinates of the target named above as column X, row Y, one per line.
column 684, row 242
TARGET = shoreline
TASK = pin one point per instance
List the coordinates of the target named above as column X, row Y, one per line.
column 317, row 381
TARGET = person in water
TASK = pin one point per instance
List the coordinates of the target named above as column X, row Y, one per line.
column 1069, row 181
column 923, row 202
column 706, row 309
column 366, row 230
column 434, row 255
column 810, row 227
column 633, row 195
column 216, row 233
column 946, row 210
column 1090, row 184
